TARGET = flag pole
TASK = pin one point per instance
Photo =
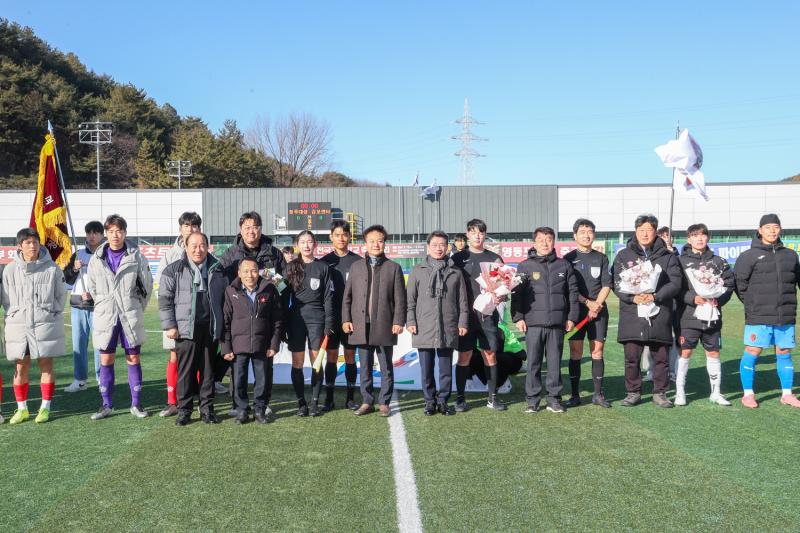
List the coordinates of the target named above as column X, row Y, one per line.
column 672, row 189
column 63, row 188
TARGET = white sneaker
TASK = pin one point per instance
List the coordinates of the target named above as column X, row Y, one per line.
column 718, row 399
column 103, row 412
column 680, row 398
column 75, row 386
column 505, row 388
column 138, row 412
column 219, row 388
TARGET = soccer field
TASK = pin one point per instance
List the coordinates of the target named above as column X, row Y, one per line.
column 698, row 467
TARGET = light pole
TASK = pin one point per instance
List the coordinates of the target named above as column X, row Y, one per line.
column 179, row 169
column 96, row 133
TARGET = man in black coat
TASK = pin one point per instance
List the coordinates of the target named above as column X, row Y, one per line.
column 655, row 331
column 767, row 276
column 373, row 315
column 697, row 259
column 545, row 306
column 253, row 318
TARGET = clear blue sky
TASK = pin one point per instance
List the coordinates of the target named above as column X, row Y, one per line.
column 571, row 92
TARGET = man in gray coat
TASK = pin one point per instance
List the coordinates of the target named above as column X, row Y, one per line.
column 190, row 303
column 438, row 313
column 373, row 314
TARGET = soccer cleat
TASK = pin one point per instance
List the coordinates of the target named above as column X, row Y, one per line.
column 219, row 388
column 461, row 404
column 138, row 412
column 600, row 399
column 660, row 399
column 749, row 401
column 631, row 399
column 75, row 386
column 103, row 412
column 574, row 401
column 790, row 400
column 493, row 403
column 555, row 407
column 42, row 416
column 445, row 409
column 430, row 409
column 718, row 399
column 680, row 398
column 170, row 410
column 20, row 416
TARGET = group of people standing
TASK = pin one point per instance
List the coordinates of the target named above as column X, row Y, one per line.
column 231, row 315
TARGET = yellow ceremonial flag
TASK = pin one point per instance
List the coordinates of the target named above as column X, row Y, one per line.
column 49, row 213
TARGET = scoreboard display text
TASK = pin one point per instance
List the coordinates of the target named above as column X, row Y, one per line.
column 314, row 216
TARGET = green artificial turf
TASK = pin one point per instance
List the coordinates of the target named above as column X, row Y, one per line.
column 699, row 467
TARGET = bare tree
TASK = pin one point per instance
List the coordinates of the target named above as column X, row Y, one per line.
column 299, row 143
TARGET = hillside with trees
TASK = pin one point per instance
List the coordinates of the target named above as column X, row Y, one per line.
column 39, row 83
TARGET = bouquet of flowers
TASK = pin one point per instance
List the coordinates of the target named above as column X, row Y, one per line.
column 269, row 274
column 708, row 284
column 495, row 279
column 641, row 278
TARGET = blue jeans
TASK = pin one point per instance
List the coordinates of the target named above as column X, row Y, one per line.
column 81, row 328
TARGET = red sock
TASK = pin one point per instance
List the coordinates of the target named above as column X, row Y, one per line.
column 172, row 382
column 21, row 392
column 198, row 376
column 47, row 390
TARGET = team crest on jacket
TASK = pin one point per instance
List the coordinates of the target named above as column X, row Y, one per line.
column 536, row 276
column 595, row 272
column 313, row 283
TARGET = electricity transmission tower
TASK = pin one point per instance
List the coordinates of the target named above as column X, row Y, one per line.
column 467, row 153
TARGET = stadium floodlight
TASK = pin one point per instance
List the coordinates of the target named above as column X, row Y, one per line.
column 179, row 169
column 96, row 133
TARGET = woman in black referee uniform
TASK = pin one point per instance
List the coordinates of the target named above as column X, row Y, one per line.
column 310, row 316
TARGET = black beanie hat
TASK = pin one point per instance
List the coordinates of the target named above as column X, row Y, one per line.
column 770, row 218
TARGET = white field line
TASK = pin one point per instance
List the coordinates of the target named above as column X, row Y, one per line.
column 408, row 515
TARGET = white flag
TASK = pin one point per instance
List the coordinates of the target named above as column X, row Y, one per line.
column 685, row 156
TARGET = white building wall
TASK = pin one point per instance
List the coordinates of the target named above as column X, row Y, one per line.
column 731, row 207
column 148, row 213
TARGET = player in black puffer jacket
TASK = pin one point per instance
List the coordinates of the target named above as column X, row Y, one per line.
column 767, row 276
column 655, row 332
column 696, row 256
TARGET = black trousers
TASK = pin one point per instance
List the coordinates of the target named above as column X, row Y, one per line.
column 508, row 364
column 544, row 342
column 427, row 362
column 196, row 354
column 659, row 354
column 262, row 390
column 366, row 355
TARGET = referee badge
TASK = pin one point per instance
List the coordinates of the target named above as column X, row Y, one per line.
column 536, row 276
column 313, row 283
column 595, row 272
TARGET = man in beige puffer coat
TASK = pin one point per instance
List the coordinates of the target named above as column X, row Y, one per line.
column 33, row 296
